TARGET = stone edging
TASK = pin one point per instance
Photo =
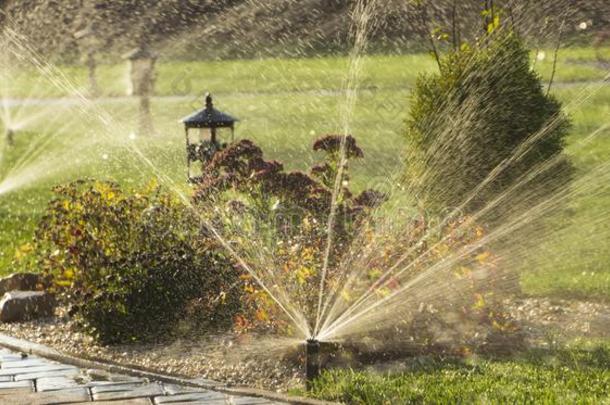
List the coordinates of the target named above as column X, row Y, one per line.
column 37, row 349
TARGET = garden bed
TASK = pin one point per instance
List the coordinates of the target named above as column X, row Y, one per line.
column 221, row 357
column 233, row 360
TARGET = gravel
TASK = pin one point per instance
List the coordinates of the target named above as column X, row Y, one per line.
column 550, row 321
column 271, row 364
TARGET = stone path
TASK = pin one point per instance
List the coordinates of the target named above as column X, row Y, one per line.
column 32, row 380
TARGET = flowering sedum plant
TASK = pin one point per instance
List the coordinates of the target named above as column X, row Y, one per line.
column 287, row 213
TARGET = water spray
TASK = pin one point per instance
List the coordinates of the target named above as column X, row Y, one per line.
column 312, row 356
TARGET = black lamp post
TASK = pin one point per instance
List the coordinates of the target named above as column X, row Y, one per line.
column 203, row 144
column 10, row 137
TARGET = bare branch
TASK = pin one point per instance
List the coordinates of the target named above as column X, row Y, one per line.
column 454, row 30
column 426, row 28
column 538, row 43
column 512, row 17
column 556, row 54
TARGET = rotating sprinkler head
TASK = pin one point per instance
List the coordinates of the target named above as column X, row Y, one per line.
column 10, row 136
column 312, row 362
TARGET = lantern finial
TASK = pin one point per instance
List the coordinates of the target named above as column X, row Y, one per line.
column 208, row 101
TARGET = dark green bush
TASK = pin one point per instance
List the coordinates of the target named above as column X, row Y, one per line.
column 131, row 264
column 465, row 121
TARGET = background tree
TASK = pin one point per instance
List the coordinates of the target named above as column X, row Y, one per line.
column 242, row 28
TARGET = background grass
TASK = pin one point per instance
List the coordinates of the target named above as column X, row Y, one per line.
column 283, row 105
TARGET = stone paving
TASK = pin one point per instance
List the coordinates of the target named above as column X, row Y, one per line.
column 28, row 379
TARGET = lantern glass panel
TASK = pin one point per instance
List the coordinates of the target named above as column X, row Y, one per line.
column 196, row 135
column 224, row 136
column 205, row 134
column 196, row 170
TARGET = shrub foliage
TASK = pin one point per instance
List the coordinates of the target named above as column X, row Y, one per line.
column 133, row 265
column 130, row 264
column 485, row 103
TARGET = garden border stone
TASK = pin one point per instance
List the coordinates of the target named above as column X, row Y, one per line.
column 25, row 346
column 19, row 305
column 20, row 281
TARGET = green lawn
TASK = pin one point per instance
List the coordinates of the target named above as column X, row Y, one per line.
column 283, row 104
column 574, row 376
column 281, row 75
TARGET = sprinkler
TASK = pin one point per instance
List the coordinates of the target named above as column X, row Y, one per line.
column 10, row 137
column 313, row 362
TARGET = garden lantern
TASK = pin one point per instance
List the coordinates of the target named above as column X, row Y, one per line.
column 204, row 132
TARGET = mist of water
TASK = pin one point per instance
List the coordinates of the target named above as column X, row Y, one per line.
column 360, row 302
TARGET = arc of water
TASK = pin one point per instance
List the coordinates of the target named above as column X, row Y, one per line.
column 59, row 79
column 361, row 19
column 38, row 146
column 523, row 180
column 602, row 173
column 437, row 149
column 395, row 178
column 288, row 309
column 519, row 151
